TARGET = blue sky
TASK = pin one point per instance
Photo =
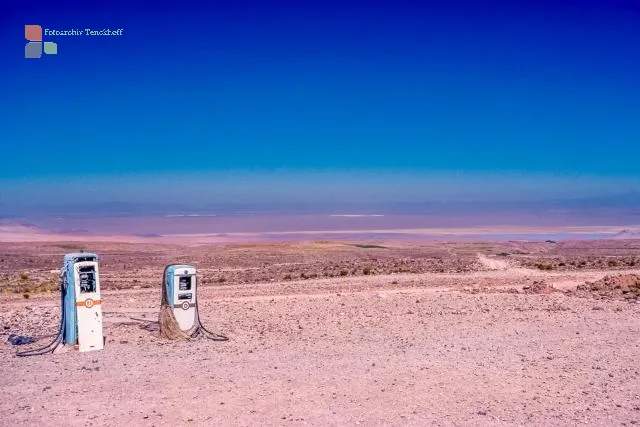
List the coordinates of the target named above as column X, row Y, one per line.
column 476, row 87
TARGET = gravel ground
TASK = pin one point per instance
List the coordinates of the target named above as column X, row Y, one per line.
column 489, row 347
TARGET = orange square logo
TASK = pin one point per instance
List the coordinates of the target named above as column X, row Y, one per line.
column 33, row 33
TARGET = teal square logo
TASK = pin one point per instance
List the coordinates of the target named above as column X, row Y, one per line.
column 50, row 48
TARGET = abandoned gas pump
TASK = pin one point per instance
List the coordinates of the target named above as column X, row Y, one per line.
column 179, row 317
column 83, row 309
column 81, row 312
column 181, row 290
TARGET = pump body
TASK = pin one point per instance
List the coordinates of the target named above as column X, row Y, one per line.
column 180, row 283
column 81, row 304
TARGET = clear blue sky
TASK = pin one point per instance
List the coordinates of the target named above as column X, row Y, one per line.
column 549, row 87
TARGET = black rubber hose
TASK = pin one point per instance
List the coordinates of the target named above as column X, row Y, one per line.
column 207, row 333
column 49, row 348
column 212, row 336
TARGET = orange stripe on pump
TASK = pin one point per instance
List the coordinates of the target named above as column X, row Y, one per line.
column 88, row 303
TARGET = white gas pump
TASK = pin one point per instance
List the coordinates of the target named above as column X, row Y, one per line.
column 81, row 312
column 88, row 306
column 181, row 289
column 179, row 316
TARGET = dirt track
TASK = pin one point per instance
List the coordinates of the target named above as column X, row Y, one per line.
column 402, row 349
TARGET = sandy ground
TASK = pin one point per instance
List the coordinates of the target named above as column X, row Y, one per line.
column 476, row 341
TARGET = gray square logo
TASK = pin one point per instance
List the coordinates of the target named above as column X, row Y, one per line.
column 33, row 50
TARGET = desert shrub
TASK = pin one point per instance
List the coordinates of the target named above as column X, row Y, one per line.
column 288, row 277
column 367, row 271
column 544, row 267
column 70, row 247
column 24, row 276
column 344, row 273
column 51, row 286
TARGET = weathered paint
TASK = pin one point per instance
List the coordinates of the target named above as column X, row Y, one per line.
column 184, row 310
column 70, row 328
column 89, row 311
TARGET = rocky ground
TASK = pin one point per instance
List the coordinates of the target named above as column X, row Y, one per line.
column 411, row 334
column 32, row 268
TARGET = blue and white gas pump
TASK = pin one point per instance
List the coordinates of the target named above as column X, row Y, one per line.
column 80, row 306
column 179, row 316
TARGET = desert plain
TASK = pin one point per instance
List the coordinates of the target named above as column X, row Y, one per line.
column 335, row 332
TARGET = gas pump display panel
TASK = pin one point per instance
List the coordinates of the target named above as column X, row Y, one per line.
column 87, row 276
column 185, row 283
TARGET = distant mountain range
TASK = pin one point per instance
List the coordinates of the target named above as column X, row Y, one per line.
column 628, row 203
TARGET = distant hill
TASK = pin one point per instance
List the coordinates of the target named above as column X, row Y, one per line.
column 627, row 234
